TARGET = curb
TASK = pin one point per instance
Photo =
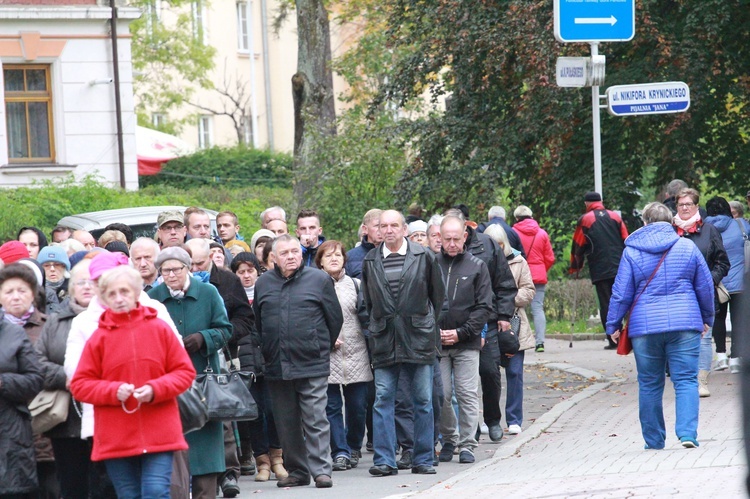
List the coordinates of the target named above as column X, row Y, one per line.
column 577, row 336
column 541, row 424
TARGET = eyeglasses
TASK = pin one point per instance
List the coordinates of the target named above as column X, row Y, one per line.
column 174, row 271
column 685, row 205
column 85, row 282
column 170, row 228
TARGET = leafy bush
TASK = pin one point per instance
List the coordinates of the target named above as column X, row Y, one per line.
column 46, row 203
column 569, row 299
column 226, row 166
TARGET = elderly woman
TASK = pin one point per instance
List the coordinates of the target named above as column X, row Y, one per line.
column 132, row 369
column 201, row 319
column 350, row 364
column 664, row 282
column 259, row 435
column 732, row 235
column 689, row 224
column 418, row 232
column 20, row 380
column 73, row 471
column 540, row 258
column 523, row 276
column 18, row 290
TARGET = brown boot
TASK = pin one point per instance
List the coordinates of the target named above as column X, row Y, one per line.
column 263, row 465
column 277, row 464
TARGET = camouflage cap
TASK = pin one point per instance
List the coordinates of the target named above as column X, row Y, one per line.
column 169, row 216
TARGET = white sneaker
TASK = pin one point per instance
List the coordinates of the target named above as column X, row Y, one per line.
column 722, row 362
column 734, row 365
column 514, row 429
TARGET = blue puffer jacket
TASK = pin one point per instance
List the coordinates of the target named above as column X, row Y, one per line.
column 680, row 297
column 734, row 244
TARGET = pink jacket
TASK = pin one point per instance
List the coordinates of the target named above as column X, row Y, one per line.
column 537, row 247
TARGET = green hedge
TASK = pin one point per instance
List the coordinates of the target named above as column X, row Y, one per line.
column 225, row 166
column 45, row 203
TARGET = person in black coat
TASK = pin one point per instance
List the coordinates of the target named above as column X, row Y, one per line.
column 299, row 318
column 20, row 380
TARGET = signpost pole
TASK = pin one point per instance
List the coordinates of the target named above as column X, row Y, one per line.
column 597, row 130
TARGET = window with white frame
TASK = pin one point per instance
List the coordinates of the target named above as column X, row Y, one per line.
column 242, row 27
column 158, row 119
column 205, row 131
column 200, row 26
column 28, row 113
column 247, row 130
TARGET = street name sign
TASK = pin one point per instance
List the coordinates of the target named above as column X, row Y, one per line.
column 594, row 20
column 571, row 71
column 648, row 98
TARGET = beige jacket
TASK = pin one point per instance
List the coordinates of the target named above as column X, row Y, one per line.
column 349, row 362
column 526, row 292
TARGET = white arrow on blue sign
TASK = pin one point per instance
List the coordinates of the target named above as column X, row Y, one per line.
column 594, row 20
column 648, row 98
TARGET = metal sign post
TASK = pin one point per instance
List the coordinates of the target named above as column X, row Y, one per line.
column 597, row 130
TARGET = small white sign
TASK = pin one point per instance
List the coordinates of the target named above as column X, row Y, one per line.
column 648, row 98
column 572, row 71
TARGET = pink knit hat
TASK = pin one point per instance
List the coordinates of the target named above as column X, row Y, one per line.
column 105, row 261
column 12, row 251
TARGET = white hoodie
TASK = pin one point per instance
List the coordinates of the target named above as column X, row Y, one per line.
column 82, row 328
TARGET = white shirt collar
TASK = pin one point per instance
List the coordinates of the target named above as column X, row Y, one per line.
column 401, row 251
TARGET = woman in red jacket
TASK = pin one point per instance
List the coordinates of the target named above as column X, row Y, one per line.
column 132, row 370
column 540, row 257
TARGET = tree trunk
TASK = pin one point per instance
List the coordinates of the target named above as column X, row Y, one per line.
column 312, row 89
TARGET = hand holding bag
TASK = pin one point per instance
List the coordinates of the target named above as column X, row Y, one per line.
column 624, row 345
column 48, row 409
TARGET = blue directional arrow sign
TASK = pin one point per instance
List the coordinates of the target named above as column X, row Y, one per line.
column 594, row 20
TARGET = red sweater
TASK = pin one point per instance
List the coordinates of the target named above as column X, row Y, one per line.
column 136, row 348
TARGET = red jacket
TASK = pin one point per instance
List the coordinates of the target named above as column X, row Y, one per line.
column 600, row 236
column 136, row 348
column 537, row 247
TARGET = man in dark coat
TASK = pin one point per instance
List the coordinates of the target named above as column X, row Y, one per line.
column 298, row 316
column 403, row 290
column 600, row 235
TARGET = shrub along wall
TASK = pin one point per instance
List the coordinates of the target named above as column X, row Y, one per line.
column 43, row 205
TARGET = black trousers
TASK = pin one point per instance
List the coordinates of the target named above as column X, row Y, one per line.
column 489, row 375
column 604, row 294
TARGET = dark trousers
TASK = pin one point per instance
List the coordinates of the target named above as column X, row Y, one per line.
column 720, row 324
column 604, row 294
column 73, row 467
column 489, row 375
column 370, row 403
column 259, row 435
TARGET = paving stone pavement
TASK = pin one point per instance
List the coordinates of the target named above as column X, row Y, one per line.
column 590, row 445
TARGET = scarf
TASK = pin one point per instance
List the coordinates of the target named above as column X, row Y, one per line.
column 179, row 294
column 19, row 321
column 75, row 307
column 689, row 225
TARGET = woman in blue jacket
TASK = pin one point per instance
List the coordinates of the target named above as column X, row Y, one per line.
column 666, row 323
column 720, row 216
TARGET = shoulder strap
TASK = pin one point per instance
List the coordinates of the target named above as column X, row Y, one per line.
column 742, row 228
column 649, row 280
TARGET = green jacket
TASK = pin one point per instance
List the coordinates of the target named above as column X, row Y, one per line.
column 201, row 311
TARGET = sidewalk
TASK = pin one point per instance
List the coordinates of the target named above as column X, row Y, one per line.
column 591, row 446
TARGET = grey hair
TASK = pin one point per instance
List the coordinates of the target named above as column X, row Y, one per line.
column 738, row 207
column 268, row 210
column 72, row 245
column 436, row 219
column 79, row 267
column 656, row 212
column 449, row 218
column 199, row 244
column 146, row 242
column 498, row 234
column 675, row 186
column 283, row 238
column 133, row 277
column 496, row 212
column 455, row 212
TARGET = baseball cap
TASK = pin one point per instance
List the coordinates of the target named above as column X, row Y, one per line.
column 169, row 216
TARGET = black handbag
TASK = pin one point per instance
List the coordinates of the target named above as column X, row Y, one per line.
column 227, row 395
column 193, row 409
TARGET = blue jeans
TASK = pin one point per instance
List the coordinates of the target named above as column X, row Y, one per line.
column 347, row 438
column 652, row 352
column 707, row 351
column 514, row 394
column 384, row 428
column 537, row 312
column 141, row 477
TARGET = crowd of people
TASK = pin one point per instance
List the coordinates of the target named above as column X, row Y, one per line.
column 396, row 345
